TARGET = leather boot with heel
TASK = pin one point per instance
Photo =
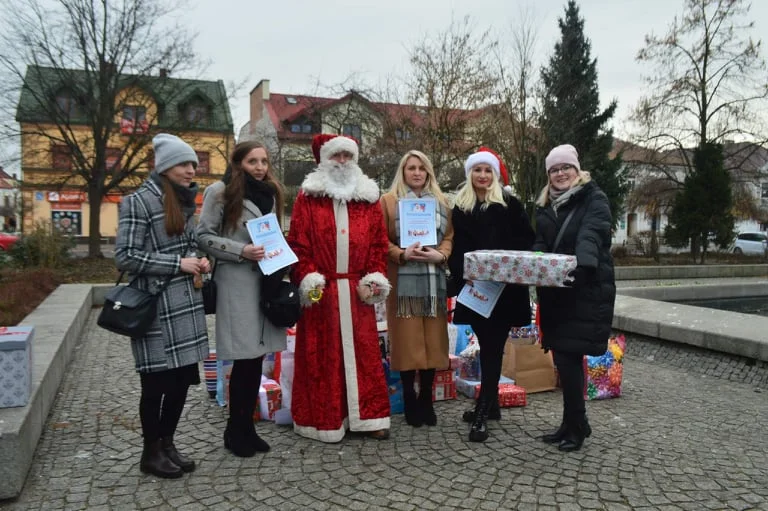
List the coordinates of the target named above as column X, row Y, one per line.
column 413, row 416
column 155, row 461
column 428, row 408
column 494, row 412
column 478, row 432
column 186, row 464
column 576, row 431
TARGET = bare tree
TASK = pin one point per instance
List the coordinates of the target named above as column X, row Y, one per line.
column 76, row 65
column 450, row 79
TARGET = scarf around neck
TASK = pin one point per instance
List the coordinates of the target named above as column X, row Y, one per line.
column 185, row 194
column 558, row 198
column 421, row 287
column 261, row 193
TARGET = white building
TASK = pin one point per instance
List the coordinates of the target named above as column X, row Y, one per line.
column 10, row 205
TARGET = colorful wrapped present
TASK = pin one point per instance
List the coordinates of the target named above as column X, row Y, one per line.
column 269, row 400
column 604, row 373
column 511, row 395
column 290, row 339
column 454, row 362
column 471, row 388
column 383, row 339
column 518, row 267
column 522, row 332
column 394, row 389
column 15, row 365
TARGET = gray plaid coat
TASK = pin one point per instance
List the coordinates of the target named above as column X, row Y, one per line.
column 179, row 336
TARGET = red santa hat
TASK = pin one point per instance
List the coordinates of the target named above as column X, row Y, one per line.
column 491, row 158
column 325, row 145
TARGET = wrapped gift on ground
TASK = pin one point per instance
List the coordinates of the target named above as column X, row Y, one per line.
column 511, row 395
column 443, row 386
column 471, row 388
column 518, row 267
column 290, row 339
column 454, row 362
column 394, row 389
column 15, row 365
column 604, row 373
column 383, row 335
column 269, row 400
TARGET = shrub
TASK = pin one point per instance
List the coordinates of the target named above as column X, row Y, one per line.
column 43, row 247
column 619, row 251
column 22, row 291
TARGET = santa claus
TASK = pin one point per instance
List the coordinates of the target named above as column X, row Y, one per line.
column 337, row 231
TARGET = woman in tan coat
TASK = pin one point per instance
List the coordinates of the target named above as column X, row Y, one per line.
column 416, row 319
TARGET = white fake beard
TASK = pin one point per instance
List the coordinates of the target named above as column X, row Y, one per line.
column 342, row 176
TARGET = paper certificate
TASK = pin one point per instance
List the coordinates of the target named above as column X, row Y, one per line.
column 265, row 231
column 417, row 222
column 481, row 297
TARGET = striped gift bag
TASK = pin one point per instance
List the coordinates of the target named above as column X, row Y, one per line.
column 209, row 369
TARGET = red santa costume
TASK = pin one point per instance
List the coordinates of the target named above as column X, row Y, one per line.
column 337, row 231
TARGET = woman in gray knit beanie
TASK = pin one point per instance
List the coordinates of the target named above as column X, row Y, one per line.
column 156, row 242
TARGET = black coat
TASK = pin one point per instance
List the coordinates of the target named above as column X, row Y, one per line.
column 494, row 228
column 578, row 320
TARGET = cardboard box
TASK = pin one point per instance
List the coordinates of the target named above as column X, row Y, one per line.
column 15, row 365
column 518, row 267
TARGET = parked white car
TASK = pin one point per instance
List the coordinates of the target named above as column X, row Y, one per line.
column 751, row 243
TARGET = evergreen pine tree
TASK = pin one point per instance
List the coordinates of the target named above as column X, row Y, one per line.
column 571, row 109
column 701, row 211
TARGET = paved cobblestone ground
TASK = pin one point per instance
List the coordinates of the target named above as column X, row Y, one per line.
column 685, row 435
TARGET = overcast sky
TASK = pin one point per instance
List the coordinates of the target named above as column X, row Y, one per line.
column 298, row 43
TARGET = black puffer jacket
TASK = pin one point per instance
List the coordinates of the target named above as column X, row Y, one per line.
column 493, row 228
column 578, row 320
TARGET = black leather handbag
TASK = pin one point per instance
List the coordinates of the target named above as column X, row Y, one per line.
column 209, row 293
column 280, row 301
column 128, row 310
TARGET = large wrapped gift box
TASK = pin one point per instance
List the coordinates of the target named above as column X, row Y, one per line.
column 269, row 400
column 394, row 389
column 209, row 370
column 604, row 373
column 518, row 267
column 15, row 365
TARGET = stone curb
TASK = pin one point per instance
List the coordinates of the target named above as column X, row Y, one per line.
column 58, row 323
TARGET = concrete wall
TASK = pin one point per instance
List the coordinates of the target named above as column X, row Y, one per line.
column 691, row 271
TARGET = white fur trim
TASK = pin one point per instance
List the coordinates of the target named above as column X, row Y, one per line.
column 482, row 157
column 319, row 184
column 337, row 145
column 381, row 281
column 309, row 282
column 329, row 436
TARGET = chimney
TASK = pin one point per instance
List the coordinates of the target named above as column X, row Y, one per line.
column 259, row 95
column 164, row 72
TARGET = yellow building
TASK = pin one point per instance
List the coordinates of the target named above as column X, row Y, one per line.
column 56, row 120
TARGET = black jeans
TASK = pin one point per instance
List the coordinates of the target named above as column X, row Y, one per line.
column 570, row 366
column 244, row 383
column 161, row 405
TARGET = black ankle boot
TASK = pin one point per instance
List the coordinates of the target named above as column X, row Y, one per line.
column 556, row 436
column 427, row 408
column 186, row 464
column 236, row 438
column 494, row 412
column 412, row 405
column 478, row 432
column 576, row 431
column 155, row 461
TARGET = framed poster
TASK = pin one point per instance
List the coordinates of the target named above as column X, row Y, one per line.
column 68, row 222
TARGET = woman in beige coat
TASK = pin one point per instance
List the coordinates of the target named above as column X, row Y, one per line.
column 416, row 315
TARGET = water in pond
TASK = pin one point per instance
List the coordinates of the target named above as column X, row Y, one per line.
column 750, row 305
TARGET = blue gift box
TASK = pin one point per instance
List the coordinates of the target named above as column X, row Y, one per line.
column 15, row 365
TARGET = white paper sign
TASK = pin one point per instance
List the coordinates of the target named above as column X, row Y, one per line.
column 265, row 231
column 417, row 222
column 481, row 297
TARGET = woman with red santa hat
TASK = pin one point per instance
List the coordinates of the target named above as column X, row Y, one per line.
column 487, row 217
column 337, row 231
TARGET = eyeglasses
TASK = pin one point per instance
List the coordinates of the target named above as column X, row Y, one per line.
column 563, row 169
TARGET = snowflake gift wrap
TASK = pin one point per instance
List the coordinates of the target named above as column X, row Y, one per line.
column 518, row 267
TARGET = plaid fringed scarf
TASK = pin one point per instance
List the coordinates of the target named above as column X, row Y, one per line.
column 421, row 286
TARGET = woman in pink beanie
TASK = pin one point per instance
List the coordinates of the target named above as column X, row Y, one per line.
column 573, row 217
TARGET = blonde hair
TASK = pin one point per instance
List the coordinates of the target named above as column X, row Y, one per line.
column 582, row 179
column 400, row 189
column 466, row 198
